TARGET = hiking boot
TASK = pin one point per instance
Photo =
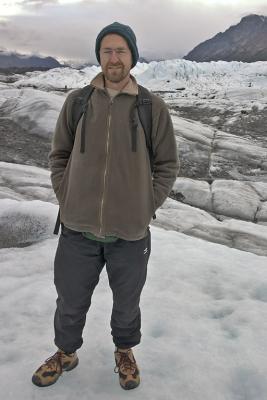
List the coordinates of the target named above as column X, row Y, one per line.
column 50, row 371
column 127, row 368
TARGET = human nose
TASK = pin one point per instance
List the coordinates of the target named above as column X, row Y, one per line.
column 114, row 56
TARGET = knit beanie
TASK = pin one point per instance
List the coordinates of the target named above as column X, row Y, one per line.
column 123, row 30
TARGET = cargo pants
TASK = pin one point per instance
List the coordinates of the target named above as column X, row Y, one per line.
column 78, row 264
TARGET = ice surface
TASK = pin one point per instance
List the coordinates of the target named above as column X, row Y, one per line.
column 212, row 152
column 222, row 198
column 236, row 82
column 26, row 182
column 34, row 110
column 204, row 325
column 195, row 222
column 204, row 305
column 237, row 199
column 25, row 222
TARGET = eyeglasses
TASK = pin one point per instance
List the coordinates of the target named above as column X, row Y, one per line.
column 108, row 52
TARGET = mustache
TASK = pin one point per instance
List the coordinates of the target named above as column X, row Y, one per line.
column 114, row 65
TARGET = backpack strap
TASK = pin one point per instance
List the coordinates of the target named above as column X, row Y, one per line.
column 79, row 108
column 57, row 225
column 144, row 108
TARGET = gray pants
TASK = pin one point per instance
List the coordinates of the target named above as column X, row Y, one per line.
column 78, row 264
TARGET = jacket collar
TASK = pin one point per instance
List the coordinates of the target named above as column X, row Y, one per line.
column 131, row 87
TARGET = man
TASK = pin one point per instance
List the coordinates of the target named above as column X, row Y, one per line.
column 101, row 175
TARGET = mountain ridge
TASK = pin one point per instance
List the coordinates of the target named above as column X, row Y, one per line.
column 245, row 41
column 11, row 60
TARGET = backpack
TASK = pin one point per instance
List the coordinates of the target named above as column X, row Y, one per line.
column 144, row 109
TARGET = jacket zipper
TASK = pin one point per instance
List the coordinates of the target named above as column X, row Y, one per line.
column 105, row 172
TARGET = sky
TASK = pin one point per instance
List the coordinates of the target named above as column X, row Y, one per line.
column 66, row 29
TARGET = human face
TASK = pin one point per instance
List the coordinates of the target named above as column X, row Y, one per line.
column 115, row 58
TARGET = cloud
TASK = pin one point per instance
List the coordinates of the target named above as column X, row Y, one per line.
column 169, row 28
column 37, row 3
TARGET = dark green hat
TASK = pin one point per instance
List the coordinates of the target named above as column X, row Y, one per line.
column 123, row 30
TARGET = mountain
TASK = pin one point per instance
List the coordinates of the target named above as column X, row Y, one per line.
column 17, row 62
column 246, row 41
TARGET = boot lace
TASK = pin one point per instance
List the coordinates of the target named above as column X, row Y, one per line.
column 55, row 361
column 126, row 362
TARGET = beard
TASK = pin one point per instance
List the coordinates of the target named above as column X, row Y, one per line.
column 115, row 72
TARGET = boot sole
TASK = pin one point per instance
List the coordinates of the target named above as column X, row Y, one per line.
column 37, row 382
column 130, row 385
